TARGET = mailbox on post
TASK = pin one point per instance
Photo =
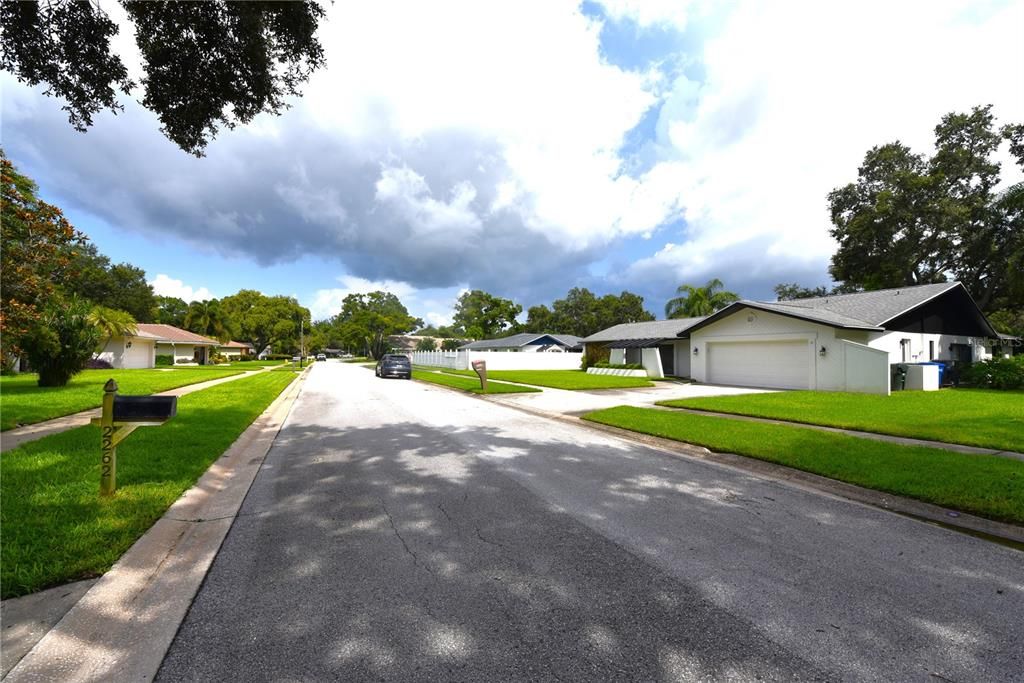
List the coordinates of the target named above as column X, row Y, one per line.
column 480, row 368
column 121, row 415
column 146, row 409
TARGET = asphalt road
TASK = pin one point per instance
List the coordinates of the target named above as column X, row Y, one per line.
column 404, row 532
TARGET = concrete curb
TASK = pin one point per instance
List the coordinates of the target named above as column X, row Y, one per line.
column 122, row 627
column 1002, row 532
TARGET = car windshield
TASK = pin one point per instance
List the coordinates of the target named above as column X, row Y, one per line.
column 396, row 358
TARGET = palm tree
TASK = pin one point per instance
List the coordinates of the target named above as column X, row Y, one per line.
column 206, row 318
column 699, row 301
column 111, row 323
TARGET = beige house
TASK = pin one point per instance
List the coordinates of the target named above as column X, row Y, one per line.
column 150, row 340
column 236, row 350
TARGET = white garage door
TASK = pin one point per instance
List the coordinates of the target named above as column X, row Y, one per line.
column 778, row 365
column 140, row 355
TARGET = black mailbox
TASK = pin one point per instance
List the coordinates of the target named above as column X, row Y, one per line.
column 144, row 408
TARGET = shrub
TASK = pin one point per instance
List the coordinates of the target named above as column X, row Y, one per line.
column 98, row 364
column 997, row 373
column 619, row 366
column 61, row 341
column 594, row 355
column 218, row 358
column 164, row 359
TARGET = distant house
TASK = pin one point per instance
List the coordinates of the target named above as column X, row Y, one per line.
column 527, row 342
column 236, row 350
column 655, row 344
column 150, row 340
column 844, row 342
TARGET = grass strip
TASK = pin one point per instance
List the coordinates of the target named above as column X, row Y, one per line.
column 57, row 529
column 470, row 385
column 573, row 380
column 973, row 417
column 984, row 485
column 22, row 402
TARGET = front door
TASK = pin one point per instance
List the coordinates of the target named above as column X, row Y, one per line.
column 961, row 352
column 668, row 359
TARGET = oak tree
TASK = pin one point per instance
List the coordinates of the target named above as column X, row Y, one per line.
column 206, row 64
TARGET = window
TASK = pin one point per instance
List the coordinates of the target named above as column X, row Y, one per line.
column 905, row 350
column 931, row 350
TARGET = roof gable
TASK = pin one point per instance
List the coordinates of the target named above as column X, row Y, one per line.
column 879, row 310
column 876, row 307
column 522, row 339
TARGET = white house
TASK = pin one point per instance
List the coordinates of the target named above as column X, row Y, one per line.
column 835, row 343
column 527, row 342
column 655, row 344
column 150, row 340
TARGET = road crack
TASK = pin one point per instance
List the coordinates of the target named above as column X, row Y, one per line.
column 415, row 558
column 488, row 541
column 446, row 515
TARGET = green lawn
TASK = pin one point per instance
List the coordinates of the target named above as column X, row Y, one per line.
column 57, row 529
column 22, row 402
column 975, row 417
column 254, row 364
column 562, row 379
column 984, row 485
column 467, row 384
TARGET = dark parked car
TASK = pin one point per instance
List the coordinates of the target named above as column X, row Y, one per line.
column 394, row 365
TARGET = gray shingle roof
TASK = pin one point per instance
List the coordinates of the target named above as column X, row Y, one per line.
column 874, row 308
column 655, row 329
column 861, row 310
column 516, row 341
column 822, row 315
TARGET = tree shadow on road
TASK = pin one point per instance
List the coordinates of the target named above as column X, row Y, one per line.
column 406, row 551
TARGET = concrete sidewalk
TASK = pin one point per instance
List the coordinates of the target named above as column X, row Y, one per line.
column 124, row 623
column 13, row 438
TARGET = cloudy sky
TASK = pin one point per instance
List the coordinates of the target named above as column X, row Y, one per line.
column 525, row 148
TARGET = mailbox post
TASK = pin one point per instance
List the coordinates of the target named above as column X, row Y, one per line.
column 120, row 416
column 480, row 368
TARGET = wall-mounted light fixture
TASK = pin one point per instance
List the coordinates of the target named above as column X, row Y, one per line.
column 822, row 351
column 128, row 345
column 696, row 349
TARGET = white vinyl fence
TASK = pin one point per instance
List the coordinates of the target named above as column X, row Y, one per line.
column 498, row 360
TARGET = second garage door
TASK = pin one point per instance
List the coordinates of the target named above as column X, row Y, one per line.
column 776, row 364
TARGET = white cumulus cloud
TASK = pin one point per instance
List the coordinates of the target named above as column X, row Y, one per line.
column 164, row 285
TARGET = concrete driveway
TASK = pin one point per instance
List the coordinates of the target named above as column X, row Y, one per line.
column 562, row 402
column 401, row 531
